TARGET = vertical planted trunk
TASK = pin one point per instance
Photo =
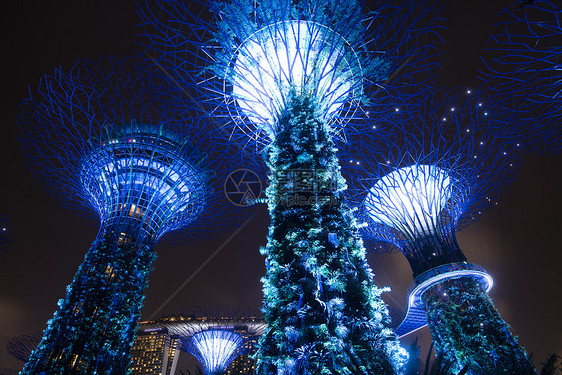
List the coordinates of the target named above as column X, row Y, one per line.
column 324, row 314
column 95, row 324
column 467, row 329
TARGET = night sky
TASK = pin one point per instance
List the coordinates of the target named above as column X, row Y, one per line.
column 518, row 242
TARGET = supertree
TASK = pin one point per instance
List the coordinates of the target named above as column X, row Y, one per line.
column 97, row 136
column 290, row 75
column 524, row 64
column 20, row 347
column 215, row 335
column 443, row 167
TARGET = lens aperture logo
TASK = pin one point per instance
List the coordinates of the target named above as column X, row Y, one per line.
column 243, row 187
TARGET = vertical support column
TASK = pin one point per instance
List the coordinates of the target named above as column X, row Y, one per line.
column 323, row 311
column 95, row 324
column 467, row 329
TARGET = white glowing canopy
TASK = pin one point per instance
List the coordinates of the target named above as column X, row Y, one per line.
column 300, row 55
column 216, row 348
column 410, row 199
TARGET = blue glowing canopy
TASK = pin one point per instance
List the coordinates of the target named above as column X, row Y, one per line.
column 246, row 60
column 293, row 57
column 215, row 348
column 146, row 173
column 410, row 199
column 110, row 137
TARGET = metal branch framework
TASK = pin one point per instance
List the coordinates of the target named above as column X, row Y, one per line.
column 104, row 137
column 291, row 75
column 21, row 347
column 215, row 335
column 444, row 167
column 246, row 61
column 524, row 65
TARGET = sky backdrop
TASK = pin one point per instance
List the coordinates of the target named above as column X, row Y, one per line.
column 518, row 242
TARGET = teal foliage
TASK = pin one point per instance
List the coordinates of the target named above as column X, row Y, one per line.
column 241, row 18
column 468, row 330
column 324, row 314
column 95, row 325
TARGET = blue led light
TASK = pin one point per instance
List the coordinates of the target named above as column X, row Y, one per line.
column 293, row 57
column 216, row 348
column 410, row 199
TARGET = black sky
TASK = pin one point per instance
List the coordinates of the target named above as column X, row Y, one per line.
column 518, row 242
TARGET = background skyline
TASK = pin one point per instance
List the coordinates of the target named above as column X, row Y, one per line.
column 517, row 242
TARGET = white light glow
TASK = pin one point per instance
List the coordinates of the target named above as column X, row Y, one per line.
column 143, row 175
column 293, row 55
column 216, row 348
column 410, row 199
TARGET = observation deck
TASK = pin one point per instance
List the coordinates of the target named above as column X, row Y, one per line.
column 144, row 176
column 415, row 316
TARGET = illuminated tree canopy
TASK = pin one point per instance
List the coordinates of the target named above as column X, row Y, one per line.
column 443, row 167
column 457, row 149
column 101, row 136
column 246, row 62
column 215, row 335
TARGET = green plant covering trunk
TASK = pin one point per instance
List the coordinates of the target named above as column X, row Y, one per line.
column 324, row 314
column 467, row 329
column 95, row 325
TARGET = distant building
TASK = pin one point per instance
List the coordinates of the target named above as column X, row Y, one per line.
column 157, row 346
column 244, row 364
column 154, row 351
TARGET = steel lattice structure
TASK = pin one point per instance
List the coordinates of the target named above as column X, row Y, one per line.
column 245, row 62
column 215, row 335
column 21, row 347
column 103, row 137
column 524, row 65
column 291, row 75
column 444, row 167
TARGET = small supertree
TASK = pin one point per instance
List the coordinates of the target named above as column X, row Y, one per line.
column 21, row 347
column 524, row 64
column 215, row 348
column 291, row 74
column 444, row 166
column 215, row 335
column 97, row 136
